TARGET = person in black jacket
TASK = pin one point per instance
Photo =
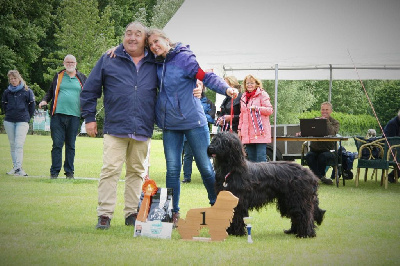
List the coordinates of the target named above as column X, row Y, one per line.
column 224, row 116
column 18, row 104
column 392, row 129
column 65, row 114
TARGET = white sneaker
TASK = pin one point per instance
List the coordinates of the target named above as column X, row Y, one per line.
column 11, row 172
column 20, row 172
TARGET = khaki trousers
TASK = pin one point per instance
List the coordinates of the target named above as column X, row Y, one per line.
column 116, row 151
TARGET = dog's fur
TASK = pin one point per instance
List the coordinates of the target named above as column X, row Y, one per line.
column 291, row 186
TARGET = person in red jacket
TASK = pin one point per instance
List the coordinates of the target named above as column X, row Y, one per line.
column 254, row 127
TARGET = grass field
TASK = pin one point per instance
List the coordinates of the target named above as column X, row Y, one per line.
column 52, row 222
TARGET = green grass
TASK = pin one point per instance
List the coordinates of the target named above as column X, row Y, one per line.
column 51, row 222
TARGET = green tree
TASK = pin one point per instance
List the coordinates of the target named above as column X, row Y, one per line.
column 163, row 11
column 82, row 31
column 294, row 98
column 387, row 101
column 23, row 25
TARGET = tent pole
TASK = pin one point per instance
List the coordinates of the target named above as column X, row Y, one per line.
column 330, row 83
column 275, row 109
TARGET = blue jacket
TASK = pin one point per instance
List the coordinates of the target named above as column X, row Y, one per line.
column 177, row 108
column 18, row 106
column 209, row 109
column 129, row 95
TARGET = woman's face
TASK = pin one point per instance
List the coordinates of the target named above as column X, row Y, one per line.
column 13, row 80
column 158, row 45
column 250, row 85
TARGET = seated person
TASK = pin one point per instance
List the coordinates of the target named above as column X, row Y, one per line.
column 319, row 155
column 392, row 129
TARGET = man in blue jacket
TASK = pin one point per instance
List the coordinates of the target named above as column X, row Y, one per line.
column 129, row 85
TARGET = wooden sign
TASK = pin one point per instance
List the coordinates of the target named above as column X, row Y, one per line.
column 216, row 218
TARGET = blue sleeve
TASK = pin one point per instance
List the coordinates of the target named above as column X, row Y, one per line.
column 92, row 90
column 211, row 80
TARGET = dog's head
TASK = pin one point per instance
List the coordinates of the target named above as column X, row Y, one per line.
column 226, row 147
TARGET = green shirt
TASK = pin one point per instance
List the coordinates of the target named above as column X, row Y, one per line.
column 68, row 101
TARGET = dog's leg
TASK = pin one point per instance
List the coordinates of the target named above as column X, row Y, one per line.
column 238, row 227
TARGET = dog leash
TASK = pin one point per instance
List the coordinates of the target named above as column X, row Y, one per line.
column 230, row 129
column 225, row 184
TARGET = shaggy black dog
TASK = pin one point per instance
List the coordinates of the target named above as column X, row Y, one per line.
column 291, row 186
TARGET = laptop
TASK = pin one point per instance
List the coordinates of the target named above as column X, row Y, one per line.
column 314, row 127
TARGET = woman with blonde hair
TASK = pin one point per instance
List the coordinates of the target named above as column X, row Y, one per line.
column 224, row 116
column 254, row 127
column 18, row 104
column 179, row 113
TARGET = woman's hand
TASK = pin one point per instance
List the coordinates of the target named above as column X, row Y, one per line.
column 111, row 51
column 232, row 92
column 197, row 92
column 42, row 103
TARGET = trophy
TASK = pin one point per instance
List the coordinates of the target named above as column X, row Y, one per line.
column 247, row 221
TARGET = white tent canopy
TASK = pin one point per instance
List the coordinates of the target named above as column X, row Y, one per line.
column 310, row 36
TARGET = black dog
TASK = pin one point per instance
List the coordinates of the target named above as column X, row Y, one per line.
column 291, row 186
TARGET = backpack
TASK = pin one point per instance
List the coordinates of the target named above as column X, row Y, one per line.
column 347, row 163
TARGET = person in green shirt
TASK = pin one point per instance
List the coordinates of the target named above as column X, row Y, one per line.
column 64, row 94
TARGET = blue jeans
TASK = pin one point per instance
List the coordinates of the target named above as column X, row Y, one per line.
column 187, row 161
column 198, row 139
column 257, row 152
column 64, row 128
column 16, row 132
column 317, row 161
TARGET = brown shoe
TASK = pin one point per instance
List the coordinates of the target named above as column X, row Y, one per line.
column 103, row 222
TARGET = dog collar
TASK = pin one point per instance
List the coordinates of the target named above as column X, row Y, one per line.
column 225, row 184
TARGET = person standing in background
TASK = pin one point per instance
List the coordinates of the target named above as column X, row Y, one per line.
column 18, row 104
column 224, row 116
column 254, row 127
column 65, row 114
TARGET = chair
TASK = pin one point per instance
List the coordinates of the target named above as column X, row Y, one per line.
column 392, row 156
column 334, row 164
column 371, row 154
column 358, row 142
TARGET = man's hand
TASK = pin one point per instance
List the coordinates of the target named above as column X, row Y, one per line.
column 232, row 92
column 91, row 129
column 197, row 92
column 42, row 103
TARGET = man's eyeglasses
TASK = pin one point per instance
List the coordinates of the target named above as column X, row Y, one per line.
column 70, row 63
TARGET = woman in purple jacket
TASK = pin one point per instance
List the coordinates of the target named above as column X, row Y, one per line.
column 18, row 103
column 179, row 113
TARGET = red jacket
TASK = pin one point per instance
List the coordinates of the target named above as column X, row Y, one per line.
column 262, row 103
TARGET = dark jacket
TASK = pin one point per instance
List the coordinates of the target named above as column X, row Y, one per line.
column 226, row 110
column 129, row 95
column 323, row 146
column 18, row 106
column 52, row 93
column 392, row 128
column 177, row 108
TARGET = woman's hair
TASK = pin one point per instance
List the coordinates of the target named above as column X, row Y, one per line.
column 258, row 82
column 16, row 74
column 159, row 33
column 233, row 82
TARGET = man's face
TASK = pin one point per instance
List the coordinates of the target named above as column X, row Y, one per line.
column 326, row 111
column 70, row 64
column 134, row 39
